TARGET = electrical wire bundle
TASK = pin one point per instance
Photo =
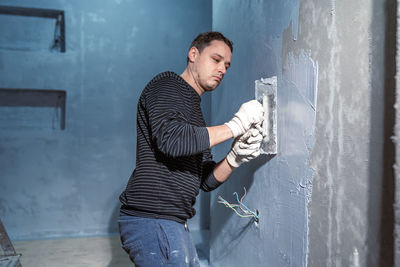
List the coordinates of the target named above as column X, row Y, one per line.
column 240, row 209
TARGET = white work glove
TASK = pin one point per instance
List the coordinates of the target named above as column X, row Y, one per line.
column 250, row 113
column 245, row 148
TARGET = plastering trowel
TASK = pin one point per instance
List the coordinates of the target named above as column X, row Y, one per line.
column 266, row 93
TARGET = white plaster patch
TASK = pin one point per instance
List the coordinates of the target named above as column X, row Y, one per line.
column 298, row 106
column 297, row 112
column 355, row 258
column 302, row 71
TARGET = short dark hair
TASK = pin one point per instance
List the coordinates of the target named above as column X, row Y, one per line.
column 204, row 39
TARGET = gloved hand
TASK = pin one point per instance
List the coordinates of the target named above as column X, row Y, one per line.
column 250, row 113
column 245, row 148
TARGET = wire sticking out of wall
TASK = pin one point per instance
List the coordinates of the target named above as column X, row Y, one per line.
column 240, row 209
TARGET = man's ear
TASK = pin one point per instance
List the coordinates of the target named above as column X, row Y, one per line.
column 193, row 53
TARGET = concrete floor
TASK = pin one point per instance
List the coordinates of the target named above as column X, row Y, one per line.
column 73, row 252
column 82, row 252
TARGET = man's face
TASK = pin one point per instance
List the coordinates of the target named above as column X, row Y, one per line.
column 210, row 66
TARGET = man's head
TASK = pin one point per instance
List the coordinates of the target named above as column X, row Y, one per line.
column 204, row 39
column 208, row 59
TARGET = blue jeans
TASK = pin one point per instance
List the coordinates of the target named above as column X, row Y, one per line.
column 157, row 242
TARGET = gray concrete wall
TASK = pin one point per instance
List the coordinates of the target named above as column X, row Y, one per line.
column 57, row 183
column 349, row 221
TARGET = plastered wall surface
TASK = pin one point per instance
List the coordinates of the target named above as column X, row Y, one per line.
column 278, row 186
column 57, row 183
column 337, row 161
column 348, row 225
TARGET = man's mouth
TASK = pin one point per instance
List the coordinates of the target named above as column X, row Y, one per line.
column 218, row 78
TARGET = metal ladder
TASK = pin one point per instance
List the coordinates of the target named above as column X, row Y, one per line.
column 9, row 257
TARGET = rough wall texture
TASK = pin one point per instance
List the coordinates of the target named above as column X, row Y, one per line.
column 62, row 183
column 349, row 219
column 351, row 208
column 279, row 186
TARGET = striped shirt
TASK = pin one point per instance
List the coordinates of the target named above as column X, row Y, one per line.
column 173, row 158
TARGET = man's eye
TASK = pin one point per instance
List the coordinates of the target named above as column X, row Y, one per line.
column 216, row 60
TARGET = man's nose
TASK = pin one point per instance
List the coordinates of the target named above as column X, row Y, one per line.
column 222, row 69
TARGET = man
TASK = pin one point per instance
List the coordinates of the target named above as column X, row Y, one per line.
column 173, row 159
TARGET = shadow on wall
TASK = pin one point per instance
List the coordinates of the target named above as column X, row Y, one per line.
column 22, row 40
column 113, row 223
column 242, row 177
column 113, row 229
column 25, row 98
column 382, row 102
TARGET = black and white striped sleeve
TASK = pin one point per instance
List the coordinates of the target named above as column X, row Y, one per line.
column 171, row 132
